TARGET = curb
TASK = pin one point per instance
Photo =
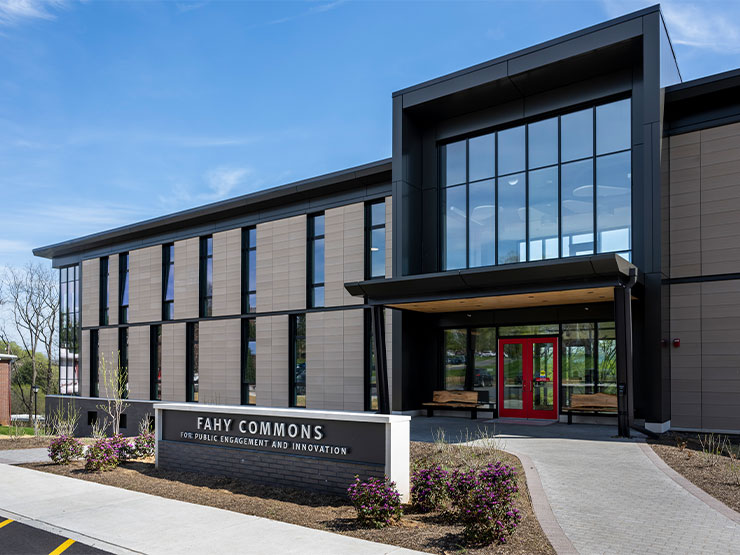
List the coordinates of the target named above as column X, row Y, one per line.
column 694, row 490
column 542, row 509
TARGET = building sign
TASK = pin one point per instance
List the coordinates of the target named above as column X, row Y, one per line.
column 332, row 439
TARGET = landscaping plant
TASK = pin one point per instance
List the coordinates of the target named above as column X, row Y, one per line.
column 102, row 455
column 483, row 503
column 376, row 501
column 123, row 447
column 65, row 449
column 144, row 445
column 429, row 488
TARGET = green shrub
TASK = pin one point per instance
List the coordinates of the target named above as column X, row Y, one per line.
column 102, row 455
column 65, row 449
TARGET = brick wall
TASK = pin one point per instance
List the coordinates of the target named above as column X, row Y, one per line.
column 302, row 472
column 4, row 392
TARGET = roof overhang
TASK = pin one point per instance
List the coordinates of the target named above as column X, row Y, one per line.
column 552, row 282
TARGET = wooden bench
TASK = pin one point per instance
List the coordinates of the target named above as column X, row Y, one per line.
column 455, row 400
column 591, row 404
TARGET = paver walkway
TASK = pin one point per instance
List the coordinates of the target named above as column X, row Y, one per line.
column 122, row 521
column 605, row 493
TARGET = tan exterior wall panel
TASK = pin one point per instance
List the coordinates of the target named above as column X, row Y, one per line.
column 227, row 272
column 354, row 360
column 145, row 284
column 138, row 362
column 173, row 362
column 90, row 292
column 344, row 252
column 272, row 361
column 219, row 361
column 84, row 373
column 187, row 273
column 686, row 360
column 113, row 290
column 264, row 267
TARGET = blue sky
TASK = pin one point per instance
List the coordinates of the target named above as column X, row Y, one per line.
column 113, row 112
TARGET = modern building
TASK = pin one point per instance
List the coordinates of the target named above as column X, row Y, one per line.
column 555, row 229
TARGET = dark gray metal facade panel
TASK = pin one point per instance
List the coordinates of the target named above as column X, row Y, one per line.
column 300, row 472
column 135, row 412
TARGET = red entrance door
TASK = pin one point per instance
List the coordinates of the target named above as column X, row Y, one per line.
column 528, row 377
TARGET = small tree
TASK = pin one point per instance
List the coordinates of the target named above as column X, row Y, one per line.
column 114, row 387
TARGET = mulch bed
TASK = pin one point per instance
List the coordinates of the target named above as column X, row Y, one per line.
column 23, row 442
column 424, row 532
column 683, row 453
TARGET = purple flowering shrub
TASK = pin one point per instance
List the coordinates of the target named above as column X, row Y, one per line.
column 483, row 503
column 376, row 501
column 65, row 449
column 429, row 488
column 123, row 446
column 102, row 455
column 144, row 445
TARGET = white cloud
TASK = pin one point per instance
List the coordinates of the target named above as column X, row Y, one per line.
column 223, row 180
column 705, row 25
column 14, row 246
column 15, row 11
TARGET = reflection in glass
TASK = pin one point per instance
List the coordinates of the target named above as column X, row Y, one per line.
column 512, row 214
column 481, row 151
column 543, row 213
column 613, row 127
column 377, row 213
column 455, row 349
column 543, row 143
column 452, row 158
column 455, row 216
column 484, row 368
column 511, row 150
column 298, row 397
column 607, row 354
column 482, row 223
column 536, row 329
column 377, row 252
column 577, row 135
column 317, row 263
column 249, row 362
column 578, row 361
column 614, row 202
column 543, row 366
column 513, row 368
column 577, row 208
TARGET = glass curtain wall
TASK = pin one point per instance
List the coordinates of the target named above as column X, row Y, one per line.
column 589, row 364
column 249, row 270
column 371, row 368
column 249, row 362
column 375, row 240
column 123, row 288
column 206, row 277
column 104, row 292
column 316, row 261
column 192, row 357
column 298, row 360
column 69, row 329
column 470, row 361
column 168, row 282
column 155, row 363
column 559, row 187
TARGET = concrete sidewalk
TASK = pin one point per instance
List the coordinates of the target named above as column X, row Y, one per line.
column 122, row 521
column 24, row 456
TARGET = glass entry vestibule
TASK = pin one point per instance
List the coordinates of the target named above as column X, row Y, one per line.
column 532, row 371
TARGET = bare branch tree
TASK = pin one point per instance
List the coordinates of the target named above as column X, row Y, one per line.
column 48, row 331
column 114, row 388
column 29, row 291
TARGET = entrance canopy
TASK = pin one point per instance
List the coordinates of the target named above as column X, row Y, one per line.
column 586, row 279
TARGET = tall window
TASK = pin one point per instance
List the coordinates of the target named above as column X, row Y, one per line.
column 552, row 188
column 206, row 277
column 104, row 297
column 249, row 362
column 297, row 360
column 94, row 364
column 168, row 282
column 371, row 368
column 589, row 361
column 69, row 329
column 375, row 239
column 123, row 361
column 191, row 363
column 155, row 363
column 123, row 288
column 249, row 270
column 316, row 260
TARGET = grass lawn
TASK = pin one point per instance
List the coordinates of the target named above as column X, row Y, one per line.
column 22, row 430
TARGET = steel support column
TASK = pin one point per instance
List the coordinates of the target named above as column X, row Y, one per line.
column 623, row 329
column 381, row 359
